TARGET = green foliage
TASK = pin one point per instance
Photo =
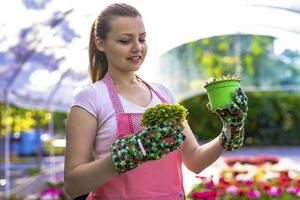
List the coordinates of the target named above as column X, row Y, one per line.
column 203, row 122
column 54, row 184
column 250, row 56
column 273, row 118
column 26, row 118
column 160, row 113
column 59, row 120
column 20, row 119
column 34, row 170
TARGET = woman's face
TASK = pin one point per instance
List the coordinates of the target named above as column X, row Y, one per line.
column 125, row 46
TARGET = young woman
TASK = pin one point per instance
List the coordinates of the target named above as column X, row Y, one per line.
column 107, row 153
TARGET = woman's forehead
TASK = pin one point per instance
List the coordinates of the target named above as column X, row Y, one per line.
column 127, row 25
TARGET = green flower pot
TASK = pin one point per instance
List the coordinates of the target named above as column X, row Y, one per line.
column 221, row 92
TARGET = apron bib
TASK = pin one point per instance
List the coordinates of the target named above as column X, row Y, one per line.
column 153, row 180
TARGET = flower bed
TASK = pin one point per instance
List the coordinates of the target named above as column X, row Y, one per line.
column 261, row 180
column 252, row 160
column 53, row 191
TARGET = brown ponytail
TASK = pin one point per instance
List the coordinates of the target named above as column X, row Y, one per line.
column 98, row 65
column 97, row 60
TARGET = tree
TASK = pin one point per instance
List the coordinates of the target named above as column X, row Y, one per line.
column 250, row 56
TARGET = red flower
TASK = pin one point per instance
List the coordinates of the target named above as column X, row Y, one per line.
column 223, row 182
column 284, row 181
column 265, row 186
column 241, row 192
column 284, row 173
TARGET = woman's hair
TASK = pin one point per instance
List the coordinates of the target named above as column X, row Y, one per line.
column 98, row 64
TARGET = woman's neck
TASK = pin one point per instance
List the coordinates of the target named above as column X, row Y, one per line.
column 124, row 79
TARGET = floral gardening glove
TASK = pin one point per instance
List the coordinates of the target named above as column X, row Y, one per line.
column 152, row 143
column 162, row 134
column 233, row 118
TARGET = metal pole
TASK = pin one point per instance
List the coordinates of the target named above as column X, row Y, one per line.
column 51, row 148
column 51, row 122
column 7, row 148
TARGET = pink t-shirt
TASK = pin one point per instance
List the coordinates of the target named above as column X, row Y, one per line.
column 94, row 98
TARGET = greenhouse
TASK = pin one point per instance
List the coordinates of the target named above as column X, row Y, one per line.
column 44, row 63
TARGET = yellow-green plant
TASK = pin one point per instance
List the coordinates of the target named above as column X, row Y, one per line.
column 173, row 113
column 222, row 78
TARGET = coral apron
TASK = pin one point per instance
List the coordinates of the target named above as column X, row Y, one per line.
column 153, row 180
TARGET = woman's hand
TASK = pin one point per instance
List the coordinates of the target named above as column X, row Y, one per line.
column 236, row 112
column 233, row 118
column 152, row 143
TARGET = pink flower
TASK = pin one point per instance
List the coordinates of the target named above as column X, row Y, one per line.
column 274, row 191
column 298, row 194
column 211, row 198
column 248, row 182
column 209, row 184
column 52, row 191
column 219, row 191
column 204, row 194
column 292, row 189
column 234, row 190
column 253, row 194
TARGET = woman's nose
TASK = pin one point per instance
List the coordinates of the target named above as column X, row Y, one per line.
column 137, row 46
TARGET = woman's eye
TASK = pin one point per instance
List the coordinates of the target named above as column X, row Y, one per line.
column 142, row 40
column 124, row 41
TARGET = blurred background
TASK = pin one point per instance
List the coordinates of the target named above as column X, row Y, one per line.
column 44, row 58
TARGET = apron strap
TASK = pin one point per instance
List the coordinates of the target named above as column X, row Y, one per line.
column 113, row 93
column 159, row 96
column 157, row 93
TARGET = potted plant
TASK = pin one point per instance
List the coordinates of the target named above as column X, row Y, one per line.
column 162, row 113
column 220, row 90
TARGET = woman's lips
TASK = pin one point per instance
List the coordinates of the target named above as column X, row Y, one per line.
column 135, row 59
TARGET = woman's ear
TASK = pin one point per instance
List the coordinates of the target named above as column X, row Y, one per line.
column 99, row 44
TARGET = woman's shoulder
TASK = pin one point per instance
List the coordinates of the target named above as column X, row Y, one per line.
column 92, row 93
column 91, row 89
column 91, row 97
column 160, row 87
column 164, row 90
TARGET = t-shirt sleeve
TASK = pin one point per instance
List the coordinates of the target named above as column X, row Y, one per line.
column 85, row 98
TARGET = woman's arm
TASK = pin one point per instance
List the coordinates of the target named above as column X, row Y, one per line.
column 81, row 174
column 196, row 158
